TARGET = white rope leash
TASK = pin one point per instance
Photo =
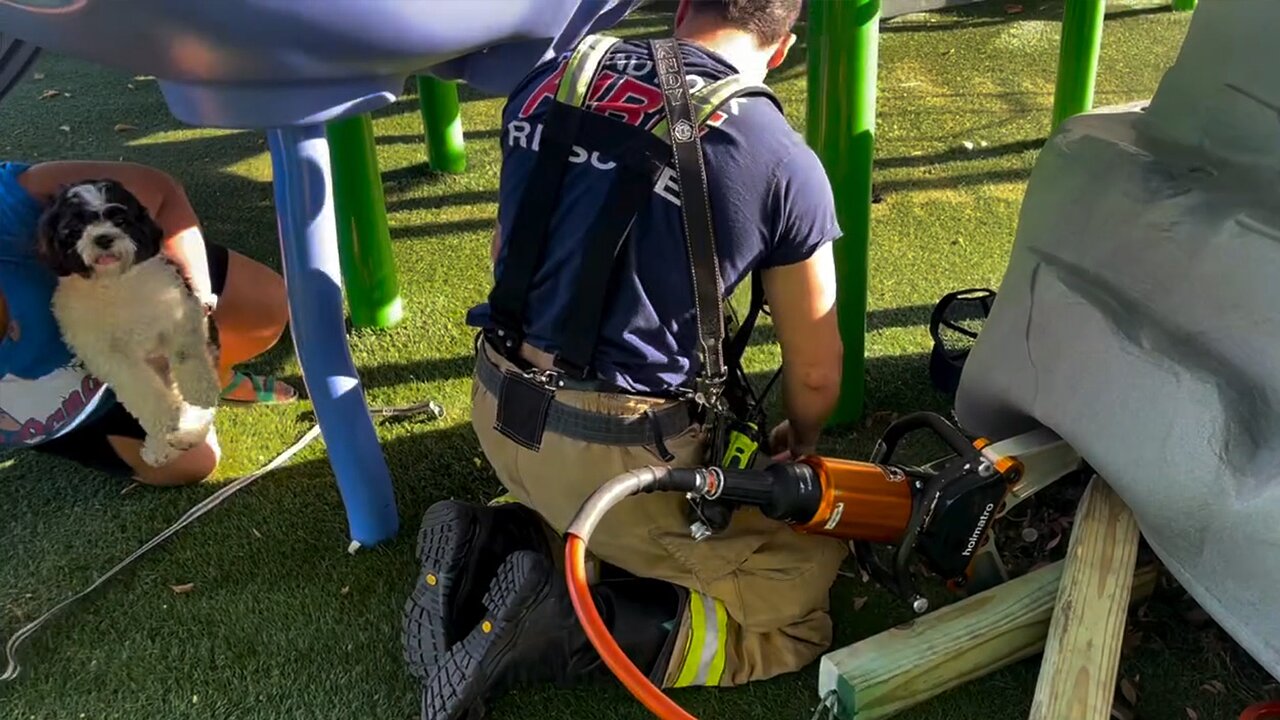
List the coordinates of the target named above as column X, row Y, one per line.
column 21, row 636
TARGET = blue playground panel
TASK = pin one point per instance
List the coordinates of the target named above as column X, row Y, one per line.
column 288, row 67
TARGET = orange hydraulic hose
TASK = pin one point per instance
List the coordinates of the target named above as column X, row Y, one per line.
column 1262, row 711
column 636, row 682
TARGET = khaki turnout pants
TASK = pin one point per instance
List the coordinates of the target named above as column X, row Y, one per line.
column 759, row 592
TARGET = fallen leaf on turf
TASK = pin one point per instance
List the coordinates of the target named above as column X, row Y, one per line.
column 1215, row 687
column 182, row 589
column 122, row 127
column 1192, row 714
column 256, row 533
column 49, row 94
column 1012, row 9
column 345, row 589
column 1130, row 693
column 1120, row 712
column 1053, row 543
column 64, row 128
column 130, row 488
column 38, row 76
column 858, row 603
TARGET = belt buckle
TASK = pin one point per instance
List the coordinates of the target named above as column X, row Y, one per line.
column 549, row 379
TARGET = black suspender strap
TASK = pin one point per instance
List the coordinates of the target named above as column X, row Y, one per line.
column 528, row 241
column 695, row 207
column 641, row 157
column 736, row 346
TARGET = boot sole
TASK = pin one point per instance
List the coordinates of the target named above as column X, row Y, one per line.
column 458, row 689
column 444, row 541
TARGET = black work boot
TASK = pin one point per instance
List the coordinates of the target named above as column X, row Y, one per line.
column 531, row 635
column 460, row 547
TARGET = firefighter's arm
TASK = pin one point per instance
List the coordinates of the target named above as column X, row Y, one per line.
column 802, row 301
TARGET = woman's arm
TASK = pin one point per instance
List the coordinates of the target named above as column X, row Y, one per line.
column 159, row 193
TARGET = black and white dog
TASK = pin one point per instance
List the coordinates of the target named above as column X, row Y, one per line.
column 122, row 306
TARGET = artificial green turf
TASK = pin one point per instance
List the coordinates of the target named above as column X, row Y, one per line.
column 282, row 623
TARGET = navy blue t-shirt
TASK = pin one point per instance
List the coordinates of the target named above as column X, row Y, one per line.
column 771, row 205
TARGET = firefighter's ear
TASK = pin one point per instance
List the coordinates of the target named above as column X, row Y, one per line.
column 780, row 52
column 682, row 12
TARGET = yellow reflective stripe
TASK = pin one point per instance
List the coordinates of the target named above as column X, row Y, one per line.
column 705, row 653
column 707, row 99
column 716, row 671
column 581, row 69
column 697, row 637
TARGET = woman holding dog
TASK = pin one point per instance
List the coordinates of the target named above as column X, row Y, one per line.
column 48, row 402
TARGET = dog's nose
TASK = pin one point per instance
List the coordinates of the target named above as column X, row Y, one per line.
column 103, row 241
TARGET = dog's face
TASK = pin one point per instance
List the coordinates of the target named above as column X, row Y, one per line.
column 97, row 228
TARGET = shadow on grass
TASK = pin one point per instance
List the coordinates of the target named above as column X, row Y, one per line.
column 420, row 139
column 426, row 231
column 949, row 182
column 437, row 202
column 986, row 153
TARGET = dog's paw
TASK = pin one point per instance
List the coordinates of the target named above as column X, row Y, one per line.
column 193, row 427
column 156, row 452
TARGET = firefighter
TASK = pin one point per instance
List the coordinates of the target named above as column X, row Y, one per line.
column 641, row 184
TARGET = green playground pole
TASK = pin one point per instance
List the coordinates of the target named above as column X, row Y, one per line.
column 1184, row 5
column 843, row 57
column 442, row 123
column 1078, row 58
column 364, row 245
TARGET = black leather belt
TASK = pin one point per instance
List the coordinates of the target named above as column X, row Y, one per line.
column 600, row 428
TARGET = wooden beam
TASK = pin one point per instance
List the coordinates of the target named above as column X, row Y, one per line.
column 1082, row 653
column 902, row 667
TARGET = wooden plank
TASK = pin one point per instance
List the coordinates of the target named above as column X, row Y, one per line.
column 1082, row 653
column 904, row 666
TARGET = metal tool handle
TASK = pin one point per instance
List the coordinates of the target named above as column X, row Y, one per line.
column 908, row 424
